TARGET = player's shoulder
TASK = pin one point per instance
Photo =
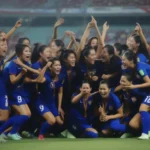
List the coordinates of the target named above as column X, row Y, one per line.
column 12, row 64
column 36, row 65
column 113, row 96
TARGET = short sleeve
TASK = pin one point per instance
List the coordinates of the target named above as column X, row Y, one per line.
column 142, row 71
column 61, row 83
column 117, row 102
column 12, row 67
column 61, row 80
column 36, row 67
column 113, row 89
column 73, row 95
column 141, row 58
column 47, row 77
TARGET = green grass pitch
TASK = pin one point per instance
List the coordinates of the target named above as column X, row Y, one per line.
column 77, row 144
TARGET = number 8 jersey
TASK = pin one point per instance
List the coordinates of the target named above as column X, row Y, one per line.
column 16, row 92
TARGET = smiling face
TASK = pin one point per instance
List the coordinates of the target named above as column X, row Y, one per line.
column 71, row 59
column 26, row 54
column 55, row 47
column 126, row 63
column 124, row 81
column 91, row 57
column 46, row 55
column 93, row 42
column 104, row 90
column 56, row 67
column 105, row 55
column 3, row 48
column 132, row 45
column 117, row 52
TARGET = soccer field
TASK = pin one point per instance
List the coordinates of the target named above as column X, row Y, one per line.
column 77, row 144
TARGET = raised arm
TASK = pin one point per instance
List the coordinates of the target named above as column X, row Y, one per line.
column 143, row 39
column 104, row 31
column 85, row 35
column 73, row 40
column 100, row 40
column 84, row 38
column 16, row 26
column 56, row 25
column 69, row 34
column 70, row 45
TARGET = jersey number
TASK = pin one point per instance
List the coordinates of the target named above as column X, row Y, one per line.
column 41, row 107
column 19, row 98
column 6, row 101
column 147, row 100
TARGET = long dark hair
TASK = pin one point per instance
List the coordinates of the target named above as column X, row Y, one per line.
column 110, row 49
column 131, row 56
column 64, row 55
column 59, row 43
column 129, row 76
column 85, row 53
column 111, row 52
column 19, row 49
column 54, row 59
column 105, row 82
column 21, row 40
column 89, row 43
column 38, row 48
column 120, row 48
column 142, row 48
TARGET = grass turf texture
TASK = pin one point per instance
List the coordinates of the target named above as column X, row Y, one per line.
column 77, row 144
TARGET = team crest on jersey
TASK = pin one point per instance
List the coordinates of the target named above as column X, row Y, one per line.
column 85, row 74
column 74, row 127
column 81, row 101
column 62, row 81
column 110, row 107
column 141, row 72
column 92, row 72
column 89, row 102
column 52, row 85
column 125, row 97
column 138, row 59
column 73, row 73
column 133, row 99
column 138, row 76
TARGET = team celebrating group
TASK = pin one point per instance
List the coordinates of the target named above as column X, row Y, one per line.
column 86, row 89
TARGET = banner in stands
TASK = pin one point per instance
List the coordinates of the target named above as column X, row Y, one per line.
column 72, row 11
column 114, row 10
column 79, row 11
